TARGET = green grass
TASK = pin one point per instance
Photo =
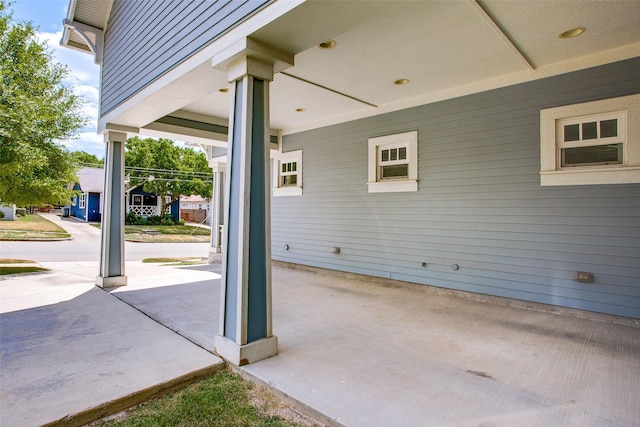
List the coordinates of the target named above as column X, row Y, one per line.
column 20, row 270
column 167, row 229
column 15, row 261
column 165, row 233
column 223, row 399
column 31, row 227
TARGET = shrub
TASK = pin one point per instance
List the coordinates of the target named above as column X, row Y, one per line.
column 132, row 219
column 153, row 220
column 168, row 220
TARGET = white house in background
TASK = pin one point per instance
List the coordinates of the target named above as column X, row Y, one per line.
column 195, row 208
column 489, row 147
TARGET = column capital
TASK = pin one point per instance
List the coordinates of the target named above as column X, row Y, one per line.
column 247, row 66
column 243, row 54
column 115, row 136
column 218, row 166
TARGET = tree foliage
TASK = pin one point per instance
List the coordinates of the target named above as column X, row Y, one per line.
column 36, row 112
column 83, row 158
column 166, row 169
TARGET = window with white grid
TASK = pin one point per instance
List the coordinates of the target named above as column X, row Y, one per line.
column 393, row 163
column 287, row 174
column 591, row 143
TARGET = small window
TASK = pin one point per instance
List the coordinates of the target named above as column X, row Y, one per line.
column 137, row 200
column 591, row 143
column 81, row 200
column 287, row 174
column 393, row 163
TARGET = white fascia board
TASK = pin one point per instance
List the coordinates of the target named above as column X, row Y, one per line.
column 71, row 11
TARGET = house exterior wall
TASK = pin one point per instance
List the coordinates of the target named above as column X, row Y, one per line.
column 147, row 38
column 479, row 204
column 75, row 210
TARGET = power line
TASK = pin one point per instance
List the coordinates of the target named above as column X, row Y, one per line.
column 156, row 170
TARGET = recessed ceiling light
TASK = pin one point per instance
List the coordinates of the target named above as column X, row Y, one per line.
column 301, row 110
column 224, row 90
column 401, row 82
column 572, row 33
column 329, row 44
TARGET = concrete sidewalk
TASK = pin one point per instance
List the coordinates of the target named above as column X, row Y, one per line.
column 352, row 352
column 71, row 351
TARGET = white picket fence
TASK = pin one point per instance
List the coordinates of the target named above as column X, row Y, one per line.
column 144, row 211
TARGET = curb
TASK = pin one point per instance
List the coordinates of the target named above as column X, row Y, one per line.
column 141, row 396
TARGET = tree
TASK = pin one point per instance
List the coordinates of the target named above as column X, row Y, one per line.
column 36, row 112
column 83, row 158
column 167, row 169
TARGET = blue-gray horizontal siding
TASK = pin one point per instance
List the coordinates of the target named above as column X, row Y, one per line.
column 479, row 205
column 147, row 38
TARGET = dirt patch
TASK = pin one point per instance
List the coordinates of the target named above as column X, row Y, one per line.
column 261, row 398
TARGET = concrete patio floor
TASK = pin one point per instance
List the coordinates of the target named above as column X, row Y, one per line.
column 358, row 353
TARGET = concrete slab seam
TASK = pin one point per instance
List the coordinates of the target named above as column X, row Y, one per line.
column 156, row 320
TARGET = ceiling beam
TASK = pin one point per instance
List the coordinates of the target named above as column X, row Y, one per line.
column 502, row 34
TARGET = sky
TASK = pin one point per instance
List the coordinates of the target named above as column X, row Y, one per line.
column 84, row 74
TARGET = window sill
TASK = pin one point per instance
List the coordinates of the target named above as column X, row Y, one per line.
column 393, row 186
column 623, row 175
column 287, row 191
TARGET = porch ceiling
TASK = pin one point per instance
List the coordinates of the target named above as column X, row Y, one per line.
column 444, row 48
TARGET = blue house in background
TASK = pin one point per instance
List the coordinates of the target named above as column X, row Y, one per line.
column 149, row 204
column 86, row 205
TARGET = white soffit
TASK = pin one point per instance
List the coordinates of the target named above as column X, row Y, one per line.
column 93, row 13
column 433, row 44
column 445, row 48
column 450, row 48
column 535, row 25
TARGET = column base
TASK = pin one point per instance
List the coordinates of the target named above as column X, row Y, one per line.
column 111, row 282
column 214, row 255
column 241, row 355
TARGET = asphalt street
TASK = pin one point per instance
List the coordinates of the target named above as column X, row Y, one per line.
column 85, row 246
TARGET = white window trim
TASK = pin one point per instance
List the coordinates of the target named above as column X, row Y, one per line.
column 626, row 173
column 82, row 201
column 288, row 190
column 408, row 139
